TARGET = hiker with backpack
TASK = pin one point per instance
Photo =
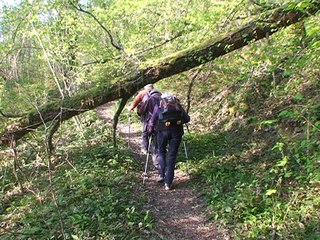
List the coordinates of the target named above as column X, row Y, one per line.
column 152, row 102
column 167, row 121
column 137, row 103
column 141, row 95
column 145, row 102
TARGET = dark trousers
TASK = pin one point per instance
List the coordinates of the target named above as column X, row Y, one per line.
column 145, row 140
column 167, row 162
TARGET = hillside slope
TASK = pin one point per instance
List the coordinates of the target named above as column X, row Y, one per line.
column 255, row 135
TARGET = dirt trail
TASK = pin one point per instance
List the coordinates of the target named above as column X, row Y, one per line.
column 179, row 213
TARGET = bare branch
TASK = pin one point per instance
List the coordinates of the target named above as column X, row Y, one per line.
column 231, row 15
column 179, row 34
column 193, row 78
column 138, row 53
column 153, row 71
column 115, row 44
column 101, row 61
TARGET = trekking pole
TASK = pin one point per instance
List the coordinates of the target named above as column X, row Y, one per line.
column 185, row 150
column 186, row 155
column 187, row 127
column 145, row 175
column 129, row 128
column 184, row 143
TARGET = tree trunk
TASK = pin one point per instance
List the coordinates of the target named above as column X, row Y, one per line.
column 62, row 110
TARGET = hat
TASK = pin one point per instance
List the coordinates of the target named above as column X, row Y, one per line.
column 148, row 86
column 154, row 91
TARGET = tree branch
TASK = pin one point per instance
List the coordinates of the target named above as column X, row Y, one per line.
column 179, row 34
column 138, row 53
column 264, row 5
column 151, row 72
column 115, row 44
column 116, row 119
column 193, row 78
column 52, row 130
column 6, row 115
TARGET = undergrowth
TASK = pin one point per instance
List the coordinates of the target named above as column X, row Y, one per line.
column 87, row 195
column 254, row 147
column 257, row 195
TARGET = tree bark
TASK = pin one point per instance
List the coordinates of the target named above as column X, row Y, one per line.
column 151, row 72
column 116, row 119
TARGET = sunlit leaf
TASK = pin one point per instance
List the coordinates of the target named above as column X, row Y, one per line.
column 270, row 192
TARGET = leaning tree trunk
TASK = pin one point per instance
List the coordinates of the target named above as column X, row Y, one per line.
column 266, row 25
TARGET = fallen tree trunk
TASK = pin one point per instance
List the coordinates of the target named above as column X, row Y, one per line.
column 65, row 109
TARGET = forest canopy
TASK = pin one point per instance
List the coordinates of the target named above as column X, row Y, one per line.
column 61, row 59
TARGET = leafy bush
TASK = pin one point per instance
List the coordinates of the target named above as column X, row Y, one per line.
column 88, row 195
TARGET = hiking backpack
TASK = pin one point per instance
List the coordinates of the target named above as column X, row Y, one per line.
column 141, row 107
column 171, row 113
column 148, row 102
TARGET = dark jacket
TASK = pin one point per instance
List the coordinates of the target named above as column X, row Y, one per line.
column 152, row 102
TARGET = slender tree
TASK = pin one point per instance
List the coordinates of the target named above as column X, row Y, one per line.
column 151, row 72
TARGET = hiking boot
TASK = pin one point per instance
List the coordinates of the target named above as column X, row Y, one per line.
column 167, row 187
column 160, row 179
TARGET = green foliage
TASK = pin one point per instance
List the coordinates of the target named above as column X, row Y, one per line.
column 53, row 50
column 87, row 195
column 260, row 197
column 260, row 168
column 254, row 142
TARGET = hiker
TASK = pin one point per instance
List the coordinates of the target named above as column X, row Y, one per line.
column 167, row 121
column 137, row 102
column 152, row 102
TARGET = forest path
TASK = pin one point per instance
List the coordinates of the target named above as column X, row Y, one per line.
column 179, row 213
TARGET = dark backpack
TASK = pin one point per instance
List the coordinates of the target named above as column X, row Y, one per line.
column 171, row 113
column 148, row 102
column 141, row 107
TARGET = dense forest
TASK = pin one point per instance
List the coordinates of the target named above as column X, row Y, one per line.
column 246, row 71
